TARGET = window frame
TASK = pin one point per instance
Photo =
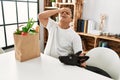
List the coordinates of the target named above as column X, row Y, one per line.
column 4, row 25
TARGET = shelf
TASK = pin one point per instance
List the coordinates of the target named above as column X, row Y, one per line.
column 89, row 35
column 109, row 38
column 100, row 37
column 66, row 4
column 50, row 8
column 90, row 41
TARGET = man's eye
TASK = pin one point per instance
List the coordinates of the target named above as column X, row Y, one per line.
column 67, row 13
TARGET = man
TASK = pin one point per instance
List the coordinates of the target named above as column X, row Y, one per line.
column 62, row 40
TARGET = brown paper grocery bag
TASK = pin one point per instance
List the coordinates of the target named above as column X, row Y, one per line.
column 26, row 47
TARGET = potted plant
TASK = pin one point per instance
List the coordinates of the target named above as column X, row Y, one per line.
column 53, row 2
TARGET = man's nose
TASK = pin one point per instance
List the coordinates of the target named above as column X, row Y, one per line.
column 64, row 13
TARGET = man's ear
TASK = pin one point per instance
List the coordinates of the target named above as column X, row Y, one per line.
column 78, row 53
column 83, row 58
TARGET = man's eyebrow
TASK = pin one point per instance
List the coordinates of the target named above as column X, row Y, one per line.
column 66, row 11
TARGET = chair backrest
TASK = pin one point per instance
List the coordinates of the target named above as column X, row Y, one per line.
column 1, row 50
column 106, row 59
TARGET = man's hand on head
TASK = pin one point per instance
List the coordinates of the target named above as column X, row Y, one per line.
column 67, row 10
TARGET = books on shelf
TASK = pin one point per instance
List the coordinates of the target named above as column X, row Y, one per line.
column 91, row 26
column 87, row 26
column 103, row 44
column 82, row 25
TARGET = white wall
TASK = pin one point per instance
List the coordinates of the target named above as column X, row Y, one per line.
column 111, row 8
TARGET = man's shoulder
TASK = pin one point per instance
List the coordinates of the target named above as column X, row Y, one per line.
column 73, row 32
column 51, row 24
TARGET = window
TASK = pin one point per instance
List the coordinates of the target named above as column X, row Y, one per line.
column 12, row 14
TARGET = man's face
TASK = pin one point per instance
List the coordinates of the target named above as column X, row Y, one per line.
column 65, row 15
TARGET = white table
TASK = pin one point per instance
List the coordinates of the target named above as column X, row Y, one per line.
column 42, row 68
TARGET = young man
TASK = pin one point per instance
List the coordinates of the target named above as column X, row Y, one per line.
column 62, row 40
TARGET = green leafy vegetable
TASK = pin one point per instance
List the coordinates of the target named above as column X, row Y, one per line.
column 27, row 28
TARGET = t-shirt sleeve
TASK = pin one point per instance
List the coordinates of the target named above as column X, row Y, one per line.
column 77, row 44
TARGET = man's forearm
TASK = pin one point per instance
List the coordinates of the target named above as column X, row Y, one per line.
column 48, row 13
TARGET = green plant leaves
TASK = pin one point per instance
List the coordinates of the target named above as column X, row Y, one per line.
column 27, row 28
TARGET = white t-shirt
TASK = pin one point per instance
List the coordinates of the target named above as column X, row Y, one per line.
column 61, row 42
